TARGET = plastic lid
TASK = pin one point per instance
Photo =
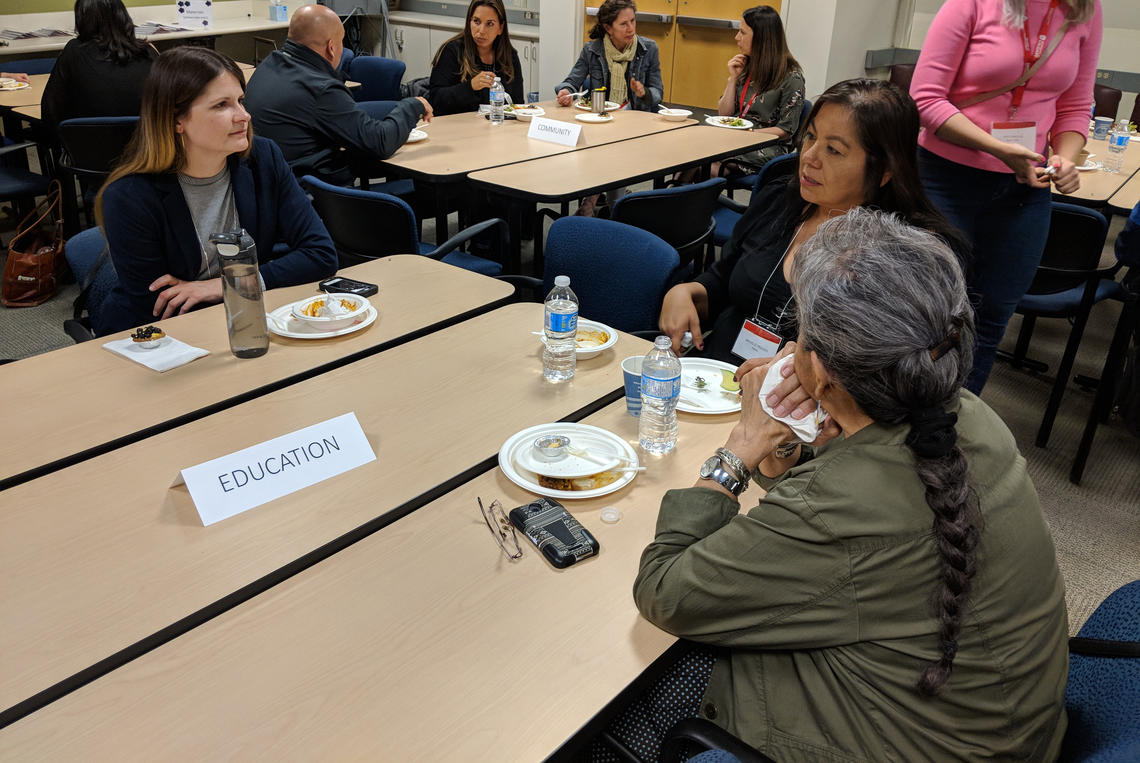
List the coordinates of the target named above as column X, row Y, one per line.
column 662, row 341
column 562, row 280
column 610, row 514
column 687, row 339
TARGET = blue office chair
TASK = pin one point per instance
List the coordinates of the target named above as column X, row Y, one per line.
column 728, row 212
column 89, row 260
column 30, row 66
column 752, row 182
column 91, row 149
column 346, row 57
column 379, row 78
column 682, row 216
column 366, row 225
column 17, row 184
column 1069, row 281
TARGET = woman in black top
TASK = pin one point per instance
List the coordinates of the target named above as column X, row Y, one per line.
column 465, row 66
column 101, row 72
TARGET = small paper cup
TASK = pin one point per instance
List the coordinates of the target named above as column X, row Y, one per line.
column 631, row 370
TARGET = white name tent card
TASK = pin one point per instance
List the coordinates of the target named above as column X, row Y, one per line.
column 196, row 14
column 554, row 131
column 229, row 485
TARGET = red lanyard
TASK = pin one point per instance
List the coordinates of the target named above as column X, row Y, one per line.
column 744, row 109
column 1032, row 51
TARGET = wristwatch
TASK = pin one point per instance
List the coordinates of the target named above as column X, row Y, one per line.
column 713, row 469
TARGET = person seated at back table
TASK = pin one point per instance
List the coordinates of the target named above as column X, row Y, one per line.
column 298, row 99
column 192, row 169
column 858, row 149
column 101, row 72
column 465, row 67
column 895, row 596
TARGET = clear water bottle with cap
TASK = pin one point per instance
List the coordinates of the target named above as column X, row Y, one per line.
column 498, row 99
column 241, row 292
column 560, row 329
column 1117, row 143
column 660, row 391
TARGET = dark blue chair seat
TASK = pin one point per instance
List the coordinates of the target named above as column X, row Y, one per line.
column 18, row 183
column 1065, row 303
column 681, row 216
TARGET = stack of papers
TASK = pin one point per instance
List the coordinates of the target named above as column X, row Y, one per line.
column 154, row 27
column 12, row 34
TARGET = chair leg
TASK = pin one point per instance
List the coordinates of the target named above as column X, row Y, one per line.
column 1027, row 324
column 1063, row 372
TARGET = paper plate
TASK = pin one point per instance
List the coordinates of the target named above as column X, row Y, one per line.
column 288, row 326
column 594, row 118
column 711, row 400
column 585, row 353
column 578, row 433
column 15, row 86
column 1088, row 166
column 600, row 449
column 415, row 136
column 724, row 122
column 610, row 106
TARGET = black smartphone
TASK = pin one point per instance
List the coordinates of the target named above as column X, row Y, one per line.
column 341, row 285
column 560, row 537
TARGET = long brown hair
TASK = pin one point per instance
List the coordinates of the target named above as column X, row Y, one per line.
column 176, row 80
column 608, row 14
column 770, row 60
column 469, row 61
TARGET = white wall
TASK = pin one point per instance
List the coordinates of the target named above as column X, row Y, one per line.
column 560, row 40
column 830, row 38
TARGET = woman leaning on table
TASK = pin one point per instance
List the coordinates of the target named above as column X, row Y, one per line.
column 857, row 149
column 872, row 606
column 192, row 169
column 983, row 149
column 465, row 66
column 628, row 66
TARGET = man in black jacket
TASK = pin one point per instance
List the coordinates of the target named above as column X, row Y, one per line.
column 298, row 99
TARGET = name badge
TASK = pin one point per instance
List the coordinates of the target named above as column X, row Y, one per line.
column 1023, row 134
column 554, row 131
column 756, row 340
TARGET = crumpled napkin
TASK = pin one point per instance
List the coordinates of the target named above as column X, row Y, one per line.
column 807, row 428
column 170, row 354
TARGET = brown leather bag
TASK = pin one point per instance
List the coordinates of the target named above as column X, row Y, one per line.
column 35, row 255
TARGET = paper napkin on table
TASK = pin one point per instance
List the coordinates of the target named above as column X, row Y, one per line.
column 807, row 428
column 170, row 354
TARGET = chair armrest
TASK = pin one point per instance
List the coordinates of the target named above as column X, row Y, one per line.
column 708, row 736
column 16, row 147
column 735, row 206
column 77, row 331
column 531, row 286
column 465, row 235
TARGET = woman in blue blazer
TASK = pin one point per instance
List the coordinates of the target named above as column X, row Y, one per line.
column 194, row 168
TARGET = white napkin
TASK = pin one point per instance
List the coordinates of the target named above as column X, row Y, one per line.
column 807, row 428
column 170, row 354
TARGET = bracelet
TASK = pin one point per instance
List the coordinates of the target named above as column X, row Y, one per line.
column 787, row 450
column 733, row 462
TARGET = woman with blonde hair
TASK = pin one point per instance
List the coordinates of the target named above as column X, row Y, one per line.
column 998, row 84
column 192, row 169
column 465, row 67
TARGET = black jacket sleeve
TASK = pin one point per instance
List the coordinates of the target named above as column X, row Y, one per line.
column 360, row 133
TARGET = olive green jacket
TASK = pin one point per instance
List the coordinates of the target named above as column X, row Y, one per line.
column 821, row 596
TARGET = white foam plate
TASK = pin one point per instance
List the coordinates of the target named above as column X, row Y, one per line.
column 1088, row 166
column 610, row 106
column 594, row 118
column 723, row 122
column 415, row 136
column 713, row 399
column 585, row 353
column 600, row 449
column 288, row 326
column 578, row 433
column 15, row 86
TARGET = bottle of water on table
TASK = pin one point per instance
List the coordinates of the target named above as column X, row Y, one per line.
column 561, row 330
column 660, row 391
column 498, row 98
column 1117, row 143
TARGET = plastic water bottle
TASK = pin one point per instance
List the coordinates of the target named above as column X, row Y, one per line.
column 241, row 292
column 498, row 99
column 561, row 330
column 1117, row 142
column 660, row 390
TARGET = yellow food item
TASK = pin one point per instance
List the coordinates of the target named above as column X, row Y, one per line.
column 313, row 309
column 587, row 338
column 592, row 482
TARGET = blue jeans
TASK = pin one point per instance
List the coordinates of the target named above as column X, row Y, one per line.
column 1007, row 223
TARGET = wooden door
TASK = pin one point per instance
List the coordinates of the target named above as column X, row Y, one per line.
column 722, row 9
column 705, row 39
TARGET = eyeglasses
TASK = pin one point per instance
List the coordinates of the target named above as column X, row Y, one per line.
column 499, row 526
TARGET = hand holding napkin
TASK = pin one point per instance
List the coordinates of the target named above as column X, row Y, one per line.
column 807, row 428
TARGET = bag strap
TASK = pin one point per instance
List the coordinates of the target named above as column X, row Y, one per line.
column 1024, row 78
column 80, row 303
column 1095, row 647
column 53, row 199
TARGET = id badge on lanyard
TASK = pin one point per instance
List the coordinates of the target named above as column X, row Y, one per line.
column 1024, row 133
column 757, row 339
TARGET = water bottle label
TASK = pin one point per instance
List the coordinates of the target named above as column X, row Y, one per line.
column 1118, row 140
column 663, row 389
column 561, row 323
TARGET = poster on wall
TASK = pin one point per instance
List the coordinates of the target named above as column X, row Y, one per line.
column 196, row 14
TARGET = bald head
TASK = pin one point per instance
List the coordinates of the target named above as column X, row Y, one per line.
column 318, row 28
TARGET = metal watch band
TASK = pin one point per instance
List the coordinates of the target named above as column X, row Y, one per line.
column 726, row 480
column 733, row 462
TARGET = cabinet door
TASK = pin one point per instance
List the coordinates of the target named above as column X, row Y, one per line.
column 700, row 58
column 412, row 43
column 724, row 9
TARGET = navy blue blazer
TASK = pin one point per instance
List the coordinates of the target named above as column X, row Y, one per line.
column 151, row 233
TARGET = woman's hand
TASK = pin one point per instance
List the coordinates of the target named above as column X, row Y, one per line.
column 736, row 66
column 178, row 296
column 679, row 314
column 757, row 434
column 18, row 76
column 1067, row 179
column 637, row 88
column 564, row 97
column 1024, row 163
column 482, row 81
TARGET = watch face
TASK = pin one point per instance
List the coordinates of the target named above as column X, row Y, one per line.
column 709, row 466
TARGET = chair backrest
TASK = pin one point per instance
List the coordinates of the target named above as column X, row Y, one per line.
column 364, row 225
column 94, row 144
column 681, row 216
column 29, row 66
column 1073, row 249
column 804, row 111
column 82, row 252
column 379, row 77
column 780, row 167
column 1135, row 118
column 901, row 75
column 346, row 57
column 619, row 272
column 1106, row 100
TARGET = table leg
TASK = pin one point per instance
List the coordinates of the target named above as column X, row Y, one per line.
column 514, row 246
column 441, row 231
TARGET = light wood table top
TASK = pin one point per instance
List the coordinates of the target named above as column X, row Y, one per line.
column 420, row 642
column 28, row 96
column 84, row 397
column 103, row 554
column 461, row 143
column 1098, row 185
column 574, row 174
column 28, row 112
column 1127, row 197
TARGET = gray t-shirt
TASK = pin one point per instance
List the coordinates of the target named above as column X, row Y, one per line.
column 211, row 202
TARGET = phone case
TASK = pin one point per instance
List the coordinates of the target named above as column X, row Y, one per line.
column 559, row 536
column 348, row 286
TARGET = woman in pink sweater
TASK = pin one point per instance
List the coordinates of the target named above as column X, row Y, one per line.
column 982, row 160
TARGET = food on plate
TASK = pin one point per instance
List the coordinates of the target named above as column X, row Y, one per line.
column 591, row 482
column 148, row 334
column 731, row 121
column 325, row 308
column 587, row 338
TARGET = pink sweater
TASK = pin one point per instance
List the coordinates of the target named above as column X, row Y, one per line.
column 969, row 51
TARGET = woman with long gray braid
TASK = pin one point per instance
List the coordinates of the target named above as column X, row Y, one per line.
column 847, row 623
